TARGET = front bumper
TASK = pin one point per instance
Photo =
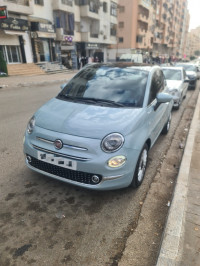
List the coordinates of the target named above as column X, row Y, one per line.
column 91, row 161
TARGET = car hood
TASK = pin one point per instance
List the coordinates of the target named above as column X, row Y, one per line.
column 85, row 120
column 173, row 84
column 191, row 73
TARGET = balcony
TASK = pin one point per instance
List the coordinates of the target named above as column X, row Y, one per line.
column 88, row 37
column 144, row 4
column 143, row 18
column 64, row 5
column 24, row 7
column 141, row 31
column 86, row 11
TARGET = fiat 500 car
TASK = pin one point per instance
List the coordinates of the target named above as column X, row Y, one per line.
column 96, row 133
column 177, row 84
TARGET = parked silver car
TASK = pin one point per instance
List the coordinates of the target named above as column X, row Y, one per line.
column 96, row 133
column 177, row 83
column 191, row 72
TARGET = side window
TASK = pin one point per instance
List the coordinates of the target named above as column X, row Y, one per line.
column 161, row 78
column 157, row 85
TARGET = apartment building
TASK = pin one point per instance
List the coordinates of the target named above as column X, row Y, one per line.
column 133, row 26
column 158, row 27
column 14, row 32
column 49, row 30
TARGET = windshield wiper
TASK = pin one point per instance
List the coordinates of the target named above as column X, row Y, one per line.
column 91, row 100
column 103, row 101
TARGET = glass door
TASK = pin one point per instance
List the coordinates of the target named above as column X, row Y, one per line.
column 12, row 54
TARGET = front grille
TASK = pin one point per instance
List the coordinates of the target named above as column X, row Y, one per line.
column 69, row 174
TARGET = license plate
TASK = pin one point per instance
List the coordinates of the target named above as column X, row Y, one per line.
column 59, row 161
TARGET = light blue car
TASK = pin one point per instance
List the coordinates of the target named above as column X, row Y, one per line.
column 98, row 130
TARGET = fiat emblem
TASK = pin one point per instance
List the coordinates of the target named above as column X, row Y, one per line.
column 58, row 144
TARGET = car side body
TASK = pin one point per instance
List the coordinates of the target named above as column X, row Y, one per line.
column 67, row 138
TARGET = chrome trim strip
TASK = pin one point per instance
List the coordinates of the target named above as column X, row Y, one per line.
column 104, row 178
column 45, row 140
column 74, row 147
column 60, row 154
column 64, row 145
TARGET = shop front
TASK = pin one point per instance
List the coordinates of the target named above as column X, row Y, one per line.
column 15, row 41
column 95, row 51
column 68, row 52
column 43, row 42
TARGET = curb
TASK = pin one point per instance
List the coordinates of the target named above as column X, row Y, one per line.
column 170, row 247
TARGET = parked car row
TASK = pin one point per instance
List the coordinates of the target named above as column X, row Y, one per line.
column 97, row 132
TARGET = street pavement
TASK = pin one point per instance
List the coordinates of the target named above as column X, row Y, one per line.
column 22, row 81
column 181, row 239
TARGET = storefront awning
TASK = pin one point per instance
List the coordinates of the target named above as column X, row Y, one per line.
column 48, row 35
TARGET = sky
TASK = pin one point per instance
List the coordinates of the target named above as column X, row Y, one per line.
column 193, row 6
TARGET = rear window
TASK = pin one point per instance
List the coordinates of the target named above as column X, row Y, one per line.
column 172, row 74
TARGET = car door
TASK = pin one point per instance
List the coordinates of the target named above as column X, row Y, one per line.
column 157, row 115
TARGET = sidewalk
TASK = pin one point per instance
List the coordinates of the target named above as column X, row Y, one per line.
column 181, row 240
column 22, row 81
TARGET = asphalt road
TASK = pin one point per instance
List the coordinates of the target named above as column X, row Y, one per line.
column 46, row 222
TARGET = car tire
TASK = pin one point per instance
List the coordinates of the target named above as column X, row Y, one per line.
column 167, row 125
column 140, row 167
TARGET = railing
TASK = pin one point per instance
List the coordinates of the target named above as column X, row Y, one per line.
column 19, row 2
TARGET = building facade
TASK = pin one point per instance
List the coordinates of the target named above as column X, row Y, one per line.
column 48, row 30
column 157, row 27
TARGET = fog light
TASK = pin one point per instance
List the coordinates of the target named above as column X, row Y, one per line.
column 117, row 161
column 28, row 158
column 95, row 179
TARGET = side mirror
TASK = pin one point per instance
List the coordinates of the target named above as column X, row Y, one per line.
column 63, row 85
column 186, row 79
column 162, row 98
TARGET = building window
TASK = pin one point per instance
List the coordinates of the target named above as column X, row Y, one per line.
column 121, row 39
column 94, row 6
column 113, row 9
column 67, row 2
column 39, row 2
column 105, row 7
column 113, row 29
column 139, row 39
column 121, row 9
column 65, row 20
column 121, row 24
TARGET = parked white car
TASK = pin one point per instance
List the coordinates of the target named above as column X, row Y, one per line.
column 177, row 83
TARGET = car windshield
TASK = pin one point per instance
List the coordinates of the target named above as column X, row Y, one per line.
column 103, row 84
column 172, row 74
column 188, row 67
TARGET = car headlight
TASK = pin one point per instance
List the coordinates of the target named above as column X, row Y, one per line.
column 112, row 142
column 31, row 125
column 117, row 161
